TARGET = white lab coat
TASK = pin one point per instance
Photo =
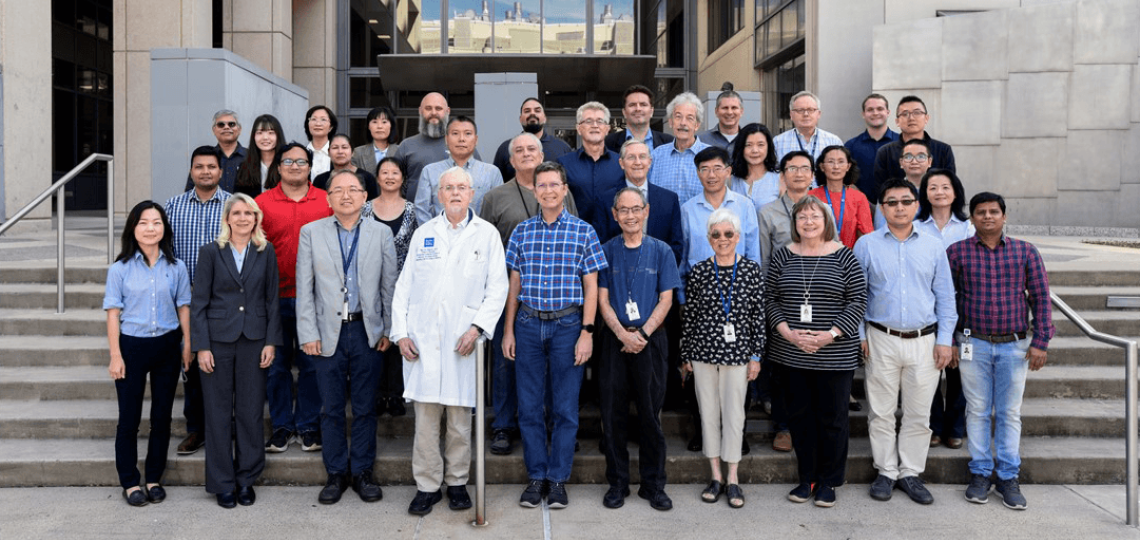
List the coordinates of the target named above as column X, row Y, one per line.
column 445, row 287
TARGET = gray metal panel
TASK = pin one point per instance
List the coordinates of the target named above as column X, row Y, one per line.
column 439, row 72
column 1123, row 302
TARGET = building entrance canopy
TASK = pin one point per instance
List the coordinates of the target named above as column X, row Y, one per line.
column 556, row 73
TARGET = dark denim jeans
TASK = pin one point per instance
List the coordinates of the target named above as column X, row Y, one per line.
column 543, row 346
column 641, row 376
column 160, row 357
column 300, row 416
column 504, row 396
column 353, row 363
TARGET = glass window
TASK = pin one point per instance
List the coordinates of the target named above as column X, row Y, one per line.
column 725, row 18
column 780, row 30
column 778, row 85
column 564, row 31
column 614, row 31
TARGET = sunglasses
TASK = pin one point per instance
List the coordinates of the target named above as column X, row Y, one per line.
column 221, row 125
column 715, row 235
column 893, row 203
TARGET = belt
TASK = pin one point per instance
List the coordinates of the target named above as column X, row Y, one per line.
column 1000, row 338
column 549, row 315
column 907, row 334
column 353, row 317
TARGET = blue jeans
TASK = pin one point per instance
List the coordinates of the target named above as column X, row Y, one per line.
column 542, row 347
column 994, row 380
column 302, row 417
column 353, row 363
column 504, row 397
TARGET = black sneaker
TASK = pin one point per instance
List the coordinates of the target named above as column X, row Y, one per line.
column 557, row 497
column 824, row 496
column 532, row 495
column 802, row 493
column 501, row 442
column 882, row 488
column 914, row 488
column 979, row 489
column 1011, row 497
column 311, row 441
column 280, row 441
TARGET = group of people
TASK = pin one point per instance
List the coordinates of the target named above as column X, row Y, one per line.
column 730, row 266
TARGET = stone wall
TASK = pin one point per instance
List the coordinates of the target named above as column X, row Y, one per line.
column 1041, row 104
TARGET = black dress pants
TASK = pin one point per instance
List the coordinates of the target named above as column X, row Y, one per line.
column 818, row 420
column 641, row 375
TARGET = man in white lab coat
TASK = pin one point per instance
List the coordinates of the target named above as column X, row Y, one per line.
column 452, row 291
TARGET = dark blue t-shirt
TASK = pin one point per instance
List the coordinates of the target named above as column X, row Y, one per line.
column 640, row 274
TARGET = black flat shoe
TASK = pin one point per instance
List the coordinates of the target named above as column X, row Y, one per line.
column 227, row 500
column 246, row 496
column 712, row 493
column 457, row 498
column 135, row 498
column 854, row 406
column 423, row 501
column 396, row 406
column 696, row 443
column 156, row 494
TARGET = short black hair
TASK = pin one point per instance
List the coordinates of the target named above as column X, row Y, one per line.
column 794, row 154
column 897, row 183
column 206, row 151
column 712, row 153
column 636, row 89
column 332, row 120
column 985, row 197
column 341, row 172
column 386, row 112
column 912, row 99
column 463, row 118
column 528, row 100
column 956, row 207
column 919, row 142
column 289, row 146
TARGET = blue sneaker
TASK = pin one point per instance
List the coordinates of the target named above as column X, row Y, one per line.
column 1011, row 496
column 978, row 491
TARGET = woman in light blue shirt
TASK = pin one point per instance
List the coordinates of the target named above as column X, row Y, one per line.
column 148, row 331
column 941, row 203
column 754, row 166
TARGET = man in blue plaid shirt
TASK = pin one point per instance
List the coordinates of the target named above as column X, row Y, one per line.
column 195, row 218
column 554, row 259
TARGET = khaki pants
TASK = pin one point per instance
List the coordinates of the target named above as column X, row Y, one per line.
column 906, row 365
column 720, row 396
column 427, row 462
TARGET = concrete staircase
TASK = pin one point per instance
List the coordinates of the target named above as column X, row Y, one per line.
column 58, row 411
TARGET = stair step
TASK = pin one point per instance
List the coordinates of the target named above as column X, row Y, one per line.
column 43, row 351
column 73, row 273
column 1115, row 322
column 46, row 322
column 1091, row 298
column 43, row 296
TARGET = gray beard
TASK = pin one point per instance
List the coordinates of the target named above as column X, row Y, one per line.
column 432, row 131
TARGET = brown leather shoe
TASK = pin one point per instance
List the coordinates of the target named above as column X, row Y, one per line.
column 935, row 440
column 954, row 442
column 782, row 442
column 191, row 443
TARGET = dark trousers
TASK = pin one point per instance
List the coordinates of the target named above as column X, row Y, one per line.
column 235, row 397
column 770, row 390
column 159, row 357
column 643, row 375
column 504, row 395
column 192, row 399
column 353, row 363
column 948, row 416
column 303, row 414
column 392, row 375
column 818, row 418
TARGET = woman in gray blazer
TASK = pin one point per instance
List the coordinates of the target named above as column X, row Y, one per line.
column 234, row 329
column 385, row 141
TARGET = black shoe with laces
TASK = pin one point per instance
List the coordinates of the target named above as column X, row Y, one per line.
column 334, row 488
column 501, row 442
column 311, row 441
column 366, row 487
column 280, row 441
column 557, row 497
column 533, row 494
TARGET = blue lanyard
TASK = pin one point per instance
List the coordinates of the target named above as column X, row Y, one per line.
column 814, row 136
column 629, row 279
column 347, row 261
column 725, row 303
column 842, row 206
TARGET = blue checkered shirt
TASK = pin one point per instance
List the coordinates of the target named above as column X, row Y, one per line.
column 675, row 171
column 551, row 258
column 195, row 223
column 791, row 140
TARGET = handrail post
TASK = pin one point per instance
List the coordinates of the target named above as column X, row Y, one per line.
column 59, row 248
column 110, row 210
column 480, row 437
column 1130, row 441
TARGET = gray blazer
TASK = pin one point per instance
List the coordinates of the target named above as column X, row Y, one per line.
column 320, row 276
column 364, row 156
column 226, row 304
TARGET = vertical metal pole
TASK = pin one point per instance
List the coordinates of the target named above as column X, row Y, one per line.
column 1130, row 441
column 444, row 25
column 110, row 211
column 59, row 249
column 480, row 437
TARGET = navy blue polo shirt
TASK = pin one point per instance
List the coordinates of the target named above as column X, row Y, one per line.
column 640, row 274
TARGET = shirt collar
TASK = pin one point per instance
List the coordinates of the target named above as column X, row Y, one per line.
column 193, row 194
column 467, row 166
column 462, row 224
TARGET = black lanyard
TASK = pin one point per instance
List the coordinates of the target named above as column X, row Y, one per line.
column 347, row 261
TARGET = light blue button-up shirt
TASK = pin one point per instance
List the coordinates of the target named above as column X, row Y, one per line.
column 239, row 256
column 149, row 297
column 484, row 178
column 350, row 280
column 675, row 171
column 763, row 191
column 908, row 282
column 694, row 222
column 954, row 231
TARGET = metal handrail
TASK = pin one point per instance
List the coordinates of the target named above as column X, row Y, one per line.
column 57, row 189
column 480, row 436
column 1130, row 441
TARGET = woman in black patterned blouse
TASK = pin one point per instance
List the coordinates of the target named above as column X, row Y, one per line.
column 815, row 304
column 723, row 338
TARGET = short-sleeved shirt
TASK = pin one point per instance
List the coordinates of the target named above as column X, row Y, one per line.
column 484, row 178
column 639, row 274
column 149, row 297
column 552, row 149
column 675, row 170
column 791, row 140
column 282, row 223
column 551, row 258
column 195, row 223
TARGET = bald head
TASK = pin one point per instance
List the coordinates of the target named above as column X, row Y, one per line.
column 433, row 115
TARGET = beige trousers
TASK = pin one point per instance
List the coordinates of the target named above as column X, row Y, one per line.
column 905, row 365
column 720, row 396
column 427, row 461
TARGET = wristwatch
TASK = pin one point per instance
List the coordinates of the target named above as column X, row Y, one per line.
column 834, row 334
column 589, row 328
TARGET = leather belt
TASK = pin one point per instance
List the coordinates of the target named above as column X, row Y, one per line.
column 1000, row 338
column 549, row 315
column 905, row 334
column 353, row 317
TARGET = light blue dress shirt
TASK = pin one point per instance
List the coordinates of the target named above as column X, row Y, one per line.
column 484, row 178
column 675, row 171
column 909, row 285
column 954, row 231
column 694, row 220
column 764, row 190
column 149, row 297
column 239, row 256
column 350, row 279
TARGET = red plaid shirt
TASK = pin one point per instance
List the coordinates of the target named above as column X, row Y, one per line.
column 991, row 288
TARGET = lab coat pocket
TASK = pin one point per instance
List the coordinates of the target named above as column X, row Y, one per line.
column 475, row 264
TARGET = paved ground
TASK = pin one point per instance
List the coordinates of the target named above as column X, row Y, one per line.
column 1055, row 512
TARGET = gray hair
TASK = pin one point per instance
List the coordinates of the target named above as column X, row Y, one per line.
column 804, row 93
column 686, row 98
column 633, row 142
column 628, row 189
column 225, row 112
column 729, row 94
column 592, row 106
column 723, row 215
column 457, row 171
column 524, row 135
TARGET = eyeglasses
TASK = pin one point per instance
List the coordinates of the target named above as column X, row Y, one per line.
column 908, row 114
column 797, row 170
column 298, row 162
column 836, row 162
column 354, row 191
column 229, row 124
column 910, row 158
column 630, row 210
column 805, row 111
column 592, row 122
column 687, row 118
column 553, row 185
column 804, row 218
column 893, row 203
column 315, row 120
column 715, row 235
column 714, row 169
column 458, row 188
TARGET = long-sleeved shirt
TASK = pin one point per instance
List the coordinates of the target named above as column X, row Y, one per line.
column 863, row 148
column 791, row 140
column 763, row 191
column 954, row 231
column 908, row 282
column 991, row 286
column 484, row 178
column 675, row 170
column 694, row 220
column 887, row 161
column 195, row 222
column 854, row 220
column 775, row 220
column 589, row 182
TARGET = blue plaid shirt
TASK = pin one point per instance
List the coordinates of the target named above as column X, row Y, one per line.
column 675, row 171
column 551, row 258
column 791, row 140
column 195, row 223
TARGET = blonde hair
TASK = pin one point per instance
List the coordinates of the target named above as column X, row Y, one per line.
column 258, row 236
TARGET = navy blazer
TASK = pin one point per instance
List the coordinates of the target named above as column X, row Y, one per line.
column 616, row 139
column 664, row 219
column 226, row 305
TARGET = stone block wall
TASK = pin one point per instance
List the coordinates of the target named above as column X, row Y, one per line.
column 1041, row 104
